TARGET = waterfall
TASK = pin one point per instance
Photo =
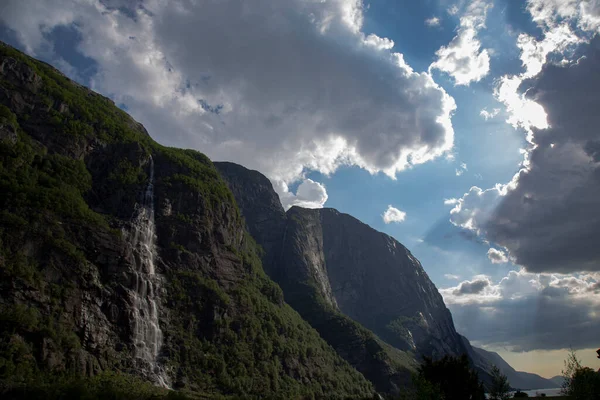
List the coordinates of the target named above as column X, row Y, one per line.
column 145, row 288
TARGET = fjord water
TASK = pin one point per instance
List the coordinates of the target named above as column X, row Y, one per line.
column 547, row 392
column 146, row 285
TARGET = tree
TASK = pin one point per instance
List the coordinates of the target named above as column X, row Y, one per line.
column 453, row 378
column 572, row 364
column 499, row 388
column 519, row 394
column 581, row 383
column 424, row 390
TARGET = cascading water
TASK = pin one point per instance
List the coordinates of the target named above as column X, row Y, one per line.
column 145, row 288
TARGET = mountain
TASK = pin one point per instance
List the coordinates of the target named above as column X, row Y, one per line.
column 337, row 272
column 131, row 262
column 558, row 380
column 516, row 379
column 305, row 288
column 119, row 254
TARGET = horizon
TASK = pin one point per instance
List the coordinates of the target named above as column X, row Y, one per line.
column 463, row 129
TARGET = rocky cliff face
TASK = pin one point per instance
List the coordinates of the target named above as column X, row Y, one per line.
column 337, row 271
column 265, row 216
column 365, row 274
column 117, row 253
column 377, row 282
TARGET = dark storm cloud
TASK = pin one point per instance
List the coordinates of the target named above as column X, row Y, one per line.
column 526, row 311
column 551, row 221
column 544, row 322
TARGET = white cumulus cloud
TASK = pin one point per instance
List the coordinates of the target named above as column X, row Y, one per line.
column 309, row 194
column 475, row 208
column 433, row 21
column 392, row 214
column 296, row 86
column 585, row 14
column 463, row 58
column 497, row 256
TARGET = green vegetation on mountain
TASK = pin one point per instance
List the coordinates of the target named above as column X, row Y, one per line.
column 72, row 167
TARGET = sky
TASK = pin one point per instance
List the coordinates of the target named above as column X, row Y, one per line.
column 466, row 129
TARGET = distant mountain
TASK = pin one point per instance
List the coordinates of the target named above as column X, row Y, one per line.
column 558, row 380
column 517, row 379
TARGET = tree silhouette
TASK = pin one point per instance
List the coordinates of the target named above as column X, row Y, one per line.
column 499, row 388
column 453, row 377
column 581, row 383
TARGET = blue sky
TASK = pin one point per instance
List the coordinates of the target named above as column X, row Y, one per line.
column 469, row 117
column 490, row 149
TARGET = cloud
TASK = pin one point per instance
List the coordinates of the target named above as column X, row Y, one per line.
column 452, row 277
column 475, row 208
column 392, row 214
column 550, row 220
column 461, row 169
column 489, row 114
column 472, row 287
column 453, row 10
column 433, row 21
column 585, row 14
column 525, row 311
column 309, row 194
column 497, row 256
column 535, row 52
column 463, row 58
column 524, row 112
column 297, row 86
column 547, row 218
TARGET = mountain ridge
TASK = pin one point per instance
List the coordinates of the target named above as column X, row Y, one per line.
column 302, row 249
column 120, row 254
column 272, row 215
column 517, row 379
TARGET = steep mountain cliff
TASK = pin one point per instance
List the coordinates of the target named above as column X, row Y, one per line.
column 330, row 264
column 117, row 253
column 365, row 274
column 377, row 282
column 305, row 285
